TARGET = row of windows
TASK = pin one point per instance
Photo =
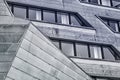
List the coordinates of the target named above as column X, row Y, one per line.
column 84, row 50
column 47, row 15
column 113, row 3
column 113, row 24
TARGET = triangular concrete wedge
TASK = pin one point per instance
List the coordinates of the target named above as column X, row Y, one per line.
column 10, row 38
column 38, row 59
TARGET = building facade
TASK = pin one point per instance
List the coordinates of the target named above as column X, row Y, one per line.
column 59, row 39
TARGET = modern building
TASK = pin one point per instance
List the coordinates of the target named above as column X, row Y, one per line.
column 59, row 39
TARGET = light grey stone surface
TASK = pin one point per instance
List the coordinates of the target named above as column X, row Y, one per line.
column 99, row 68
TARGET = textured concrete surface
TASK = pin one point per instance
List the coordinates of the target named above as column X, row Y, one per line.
column 56, row 65
column 87, row 11
column 4, row 10
column 99, row 68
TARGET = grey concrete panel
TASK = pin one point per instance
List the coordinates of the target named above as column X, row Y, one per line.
column 3, row 9
column 6, row 57
column 4, row 66
column 16, row 74
column 99, row 68
column 32, row 70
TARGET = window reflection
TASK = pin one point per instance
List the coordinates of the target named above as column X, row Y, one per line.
column 95, row 52
column 106, row 2
column 62, row 18
column 34, row 14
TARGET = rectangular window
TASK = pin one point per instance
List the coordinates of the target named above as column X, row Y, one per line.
column 20, row 11
column 95, row 52
column 106, row 2
column 34, row 14
column 48, row 16
column 82, row 50
column 84, row 0
column 62, row 18
column 67, row 48
column 94, row 1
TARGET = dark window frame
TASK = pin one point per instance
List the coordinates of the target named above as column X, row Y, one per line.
column 108, row 23
column 84, row 22
column 100, row 4
column 113, row 50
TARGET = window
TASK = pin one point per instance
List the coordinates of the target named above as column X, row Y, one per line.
column 49, row 16
column 106, row 2
column 20, row 11
column 67, row 48
column 34, row 14
column 113, row 24
column 81, row 50
column 93, row 1
column 63, row 18
column 95, row 51
column 87, row 50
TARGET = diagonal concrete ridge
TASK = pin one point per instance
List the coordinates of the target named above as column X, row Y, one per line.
column 38, row 59
column 4, row 10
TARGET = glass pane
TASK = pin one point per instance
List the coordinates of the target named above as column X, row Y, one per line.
column 114, row 25
column 20, row 12
column 106, row 2
column 116, row 3
column 82, row 50
column 49, row 16
column 74, row 21
column 56, row 43
column 67, row 48
column 94, row 1
column 62, row 18
column 95, row 52
column 84, row 0
column 34, row 14
column 107, row 54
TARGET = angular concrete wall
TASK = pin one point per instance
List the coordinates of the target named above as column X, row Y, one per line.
column 9, row 43
column 38, row 59
column 4, row 11
column 99, row 68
